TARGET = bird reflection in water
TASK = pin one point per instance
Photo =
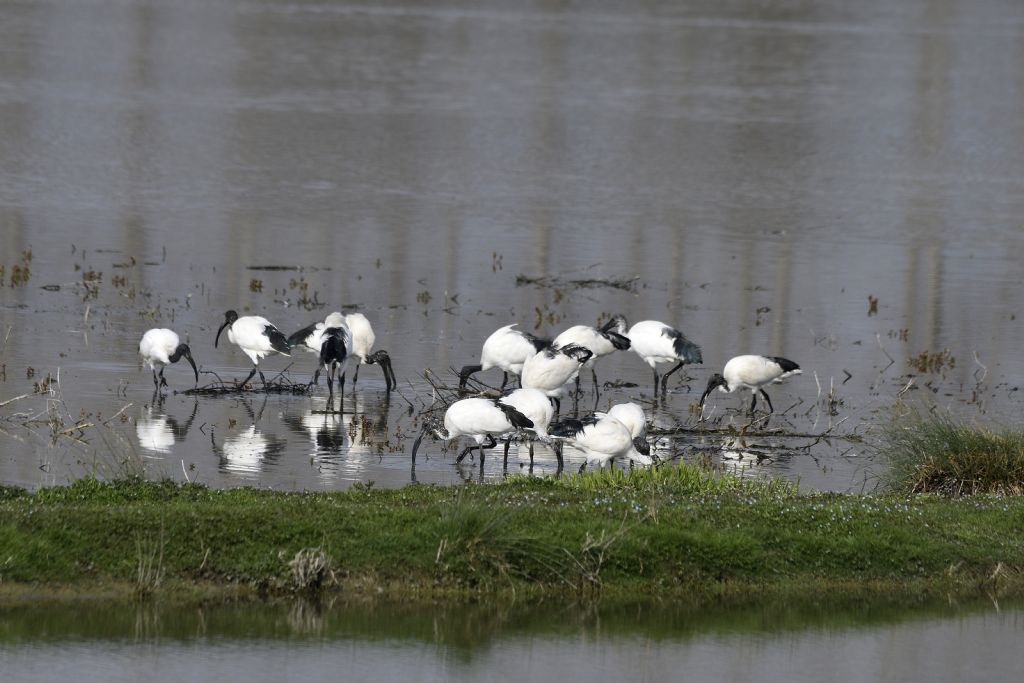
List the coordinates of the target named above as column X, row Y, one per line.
column 158, row 431
column 250, row 450
column 343, row 444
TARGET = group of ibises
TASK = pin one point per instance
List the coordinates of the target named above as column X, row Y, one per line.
column 546, row 368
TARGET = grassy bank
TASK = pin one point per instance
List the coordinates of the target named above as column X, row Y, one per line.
column 674, row 532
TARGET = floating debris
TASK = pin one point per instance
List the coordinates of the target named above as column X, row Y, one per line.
column 627, row 284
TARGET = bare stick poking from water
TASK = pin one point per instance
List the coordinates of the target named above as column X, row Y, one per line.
column 12, row 400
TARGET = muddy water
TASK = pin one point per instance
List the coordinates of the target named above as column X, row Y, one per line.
column 837, row 183
column 301, row 641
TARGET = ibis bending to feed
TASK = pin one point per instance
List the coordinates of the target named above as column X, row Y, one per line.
column 256, row 337
column 549, row 370
column 602, row 438
column 754, row 373
column 655, row 342
column 480, row 418
column 535, row 405
column 359, row 344
column 334, row 343
column 506, row 349
column 161, row 346
column 600, row 341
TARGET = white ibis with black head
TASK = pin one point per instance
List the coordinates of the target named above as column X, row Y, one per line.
column 600, row 341
column 160, row 347
column 551, row 369
column 506, row 349
column 359, row 344
column 479, row 418
column 257, row 338
column 602, row 438
column 751, row 372
column 655, row 342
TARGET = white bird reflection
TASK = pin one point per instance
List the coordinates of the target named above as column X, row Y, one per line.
column 343, row 445
column 157, row 431
column 250, row 450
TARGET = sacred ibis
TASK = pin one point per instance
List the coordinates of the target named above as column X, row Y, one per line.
column 551, row 369
column 359, row 344
column 600, row 341
column 257, row 338
column 479, row 418
column 161, row 346
column 507, row 349
column 602, row 438
column 751, row 372
column 655, row 342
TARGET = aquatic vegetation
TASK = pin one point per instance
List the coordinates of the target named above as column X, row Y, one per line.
column 935, row 452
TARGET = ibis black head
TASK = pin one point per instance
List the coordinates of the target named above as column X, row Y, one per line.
column 716, row 381
column 642, row 445
column 616, row 324
column 578, row 353
column 184, row 350
column 229, row 318
column 382, row 359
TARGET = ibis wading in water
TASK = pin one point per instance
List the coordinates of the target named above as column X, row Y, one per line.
column 602, row 438
column 333, row 354
column 600, row 341
column 549, row 370
column 480, row 418
column 161, row 346
column 655, row 342
column 256, row 337
column 506, row 349
column 754, row 373
column 359, row 344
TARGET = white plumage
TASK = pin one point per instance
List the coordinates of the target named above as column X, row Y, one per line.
column 655, row 342
column 506, row 349
column 600, row 341
column 257, row 338
column 359, row 342
column 751, row 372
column 535, row 405
column 479, row 418
column 551, row 369
column 602, row 438
column 160, row 347
column 631, row 415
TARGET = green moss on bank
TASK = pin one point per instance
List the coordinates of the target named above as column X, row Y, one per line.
column 674, row 532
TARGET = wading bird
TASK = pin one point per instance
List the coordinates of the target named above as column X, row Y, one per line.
column 600, row 341
column 359, row 344
column 506, row 349
column 479, row 418
column 655, row 342
column 334, row 342
column 256, row 337
column 161, row 346
column 535, row 405
column 751, row 372
column 602, row 438
column 551, row 369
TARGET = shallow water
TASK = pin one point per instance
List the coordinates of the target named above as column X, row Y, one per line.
column 757, row 173
column 302, row 641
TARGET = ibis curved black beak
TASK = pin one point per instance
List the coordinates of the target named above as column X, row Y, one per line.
column 382, row 359
column 192, row 362
column 715, row 381
column 416, row 445
column 219, row 330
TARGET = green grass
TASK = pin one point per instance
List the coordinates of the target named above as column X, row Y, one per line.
column 669, row 532
column 935, row 452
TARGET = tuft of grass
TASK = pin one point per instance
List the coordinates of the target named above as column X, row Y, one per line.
column 937, row 453
column 311, row 570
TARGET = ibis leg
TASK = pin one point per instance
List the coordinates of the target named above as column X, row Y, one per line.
column 246, row 380
column 664, row 378
column 765, row 394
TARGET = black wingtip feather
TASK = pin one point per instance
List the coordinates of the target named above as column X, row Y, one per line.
column 786, row 364
column 278, row 341
column 538, row 343
column 570, row 427
column 515, row 418
column 296, row 338
column 686, row 350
